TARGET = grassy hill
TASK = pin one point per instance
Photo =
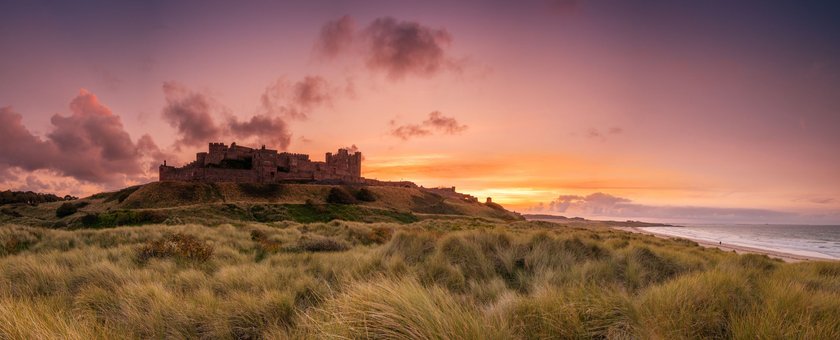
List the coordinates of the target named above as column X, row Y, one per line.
column 218, row 203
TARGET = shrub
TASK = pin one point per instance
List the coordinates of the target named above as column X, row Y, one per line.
column 270, row 190
column 65, row 209
column 365, row 195
column 10, row 212
column 340, row 196
column 318, row 243
column 123, row 217
column 90, row 220
column 179, row 246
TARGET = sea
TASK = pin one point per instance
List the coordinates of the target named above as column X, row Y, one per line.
column 821, row 241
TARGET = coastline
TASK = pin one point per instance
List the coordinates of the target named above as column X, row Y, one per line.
column 787, row 257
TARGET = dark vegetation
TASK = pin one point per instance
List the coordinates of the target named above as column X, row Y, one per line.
column 29, row 197
column 271, row 190
column 69, row 208
column 365, row 195
column 122, row 218
column 121, row 195
column 340, row 195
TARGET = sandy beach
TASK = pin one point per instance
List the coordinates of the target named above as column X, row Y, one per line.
column 730, row 247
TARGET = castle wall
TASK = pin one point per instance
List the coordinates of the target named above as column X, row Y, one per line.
column 266, row 166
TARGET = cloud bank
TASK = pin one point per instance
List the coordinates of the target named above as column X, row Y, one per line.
column 436, row 123
column 606, row 206
column 90, row 144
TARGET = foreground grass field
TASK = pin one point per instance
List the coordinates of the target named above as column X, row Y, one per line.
column 433, row 279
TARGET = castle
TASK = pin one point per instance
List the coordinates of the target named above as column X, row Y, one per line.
column 241, row 164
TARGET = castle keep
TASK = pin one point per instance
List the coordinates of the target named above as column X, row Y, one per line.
column 236, row 163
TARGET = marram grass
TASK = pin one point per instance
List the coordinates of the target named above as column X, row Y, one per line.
column 435, row 279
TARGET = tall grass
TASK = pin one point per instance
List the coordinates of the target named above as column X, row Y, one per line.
column 459, row 279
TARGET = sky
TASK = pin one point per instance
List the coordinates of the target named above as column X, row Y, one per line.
column 712, row 111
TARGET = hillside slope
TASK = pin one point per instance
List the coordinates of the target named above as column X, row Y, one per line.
column 215, row 203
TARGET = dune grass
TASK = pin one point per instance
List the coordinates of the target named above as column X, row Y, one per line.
column 432, row 279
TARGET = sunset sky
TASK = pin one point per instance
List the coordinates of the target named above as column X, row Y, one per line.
column 706, row 111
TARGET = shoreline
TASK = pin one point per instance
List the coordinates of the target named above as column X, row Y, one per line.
column 787, row 257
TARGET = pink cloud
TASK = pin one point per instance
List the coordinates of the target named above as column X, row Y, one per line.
column 90, row 144
column 189, row 113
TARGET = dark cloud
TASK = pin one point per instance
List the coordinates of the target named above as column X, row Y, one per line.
column 263, row 129
column 436, row 123
column 446, row 125
column 147, row 147
column 396, row 48
column 90, row 144
column 190, row 113
column 20, row 147
column 401, row 48
column 295, row 100
column 601, row 205
column 336, row 37
column 408, row 131
column 311, row 91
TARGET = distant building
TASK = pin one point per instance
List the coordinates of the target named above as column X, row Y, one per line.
column 236, row 163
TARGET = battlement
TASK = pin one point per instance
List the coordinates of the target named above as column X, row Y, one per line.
column 237, row 163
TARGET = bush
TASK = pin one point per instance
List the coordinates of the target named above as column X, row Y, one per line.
column 270, row 190
column 365, row 195
column 10, row 212
column 123, row 217
column 340, row 196
column 317, row 243
column 179, row 246
column 65, row 209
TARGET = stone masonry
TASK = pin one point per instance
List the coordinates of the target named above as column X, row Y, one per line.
column 242, row 164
